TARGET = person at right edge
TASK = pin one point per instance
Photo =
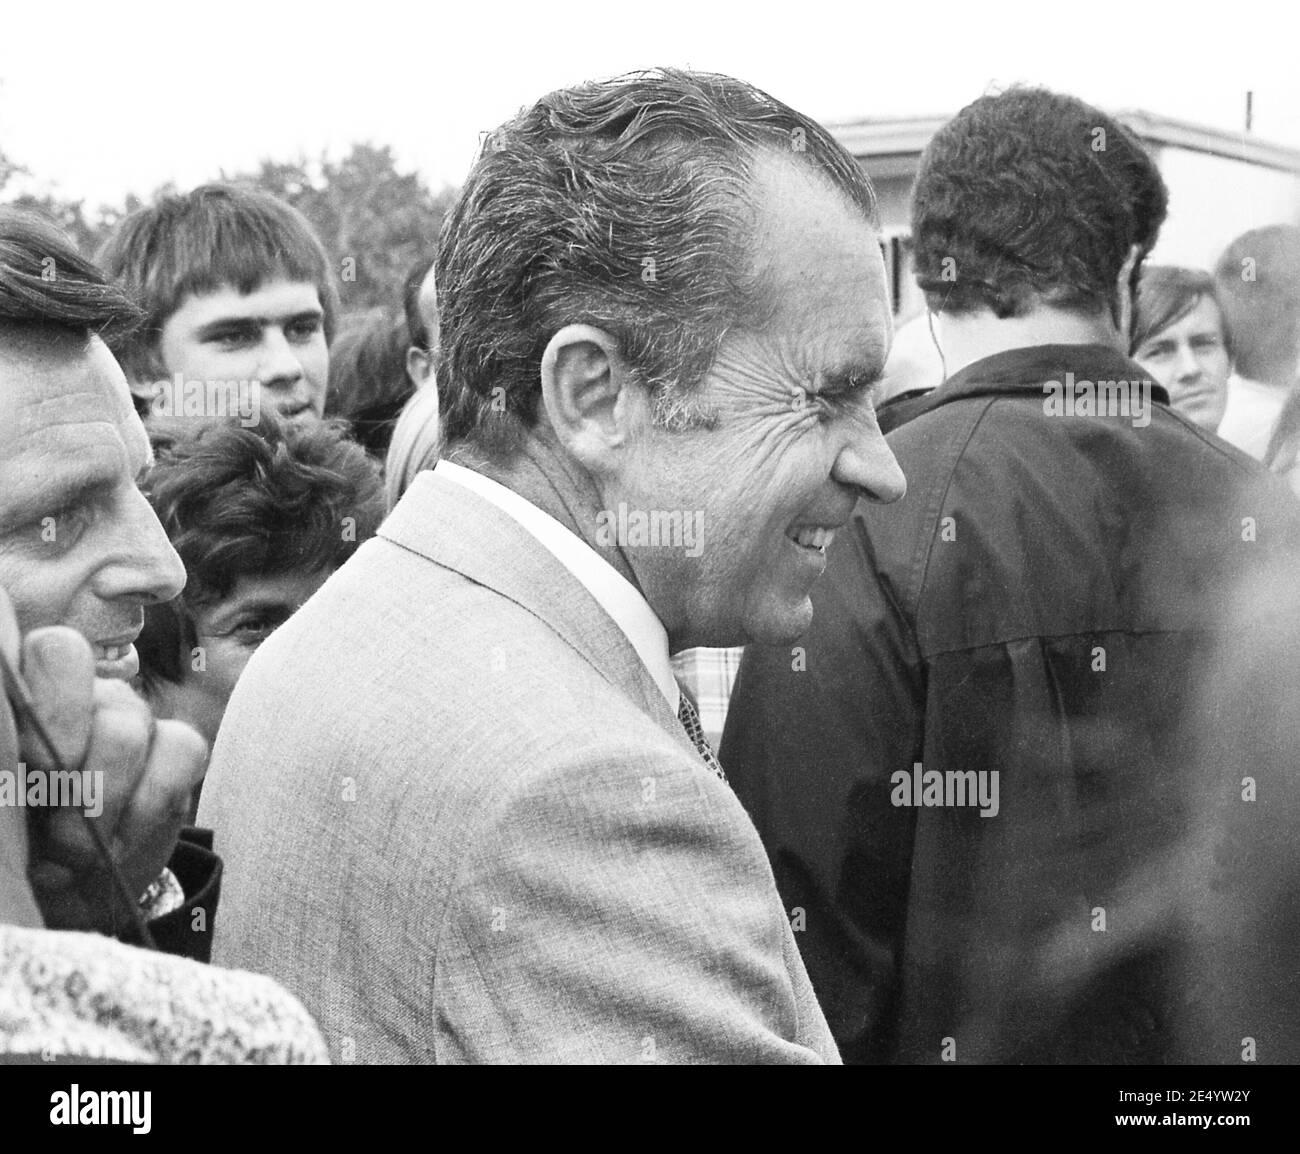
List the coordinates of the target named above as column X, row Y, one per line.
column 972, row 771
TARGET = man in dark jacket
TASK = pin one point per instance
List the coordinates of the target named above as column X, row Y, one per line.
column 968, row 773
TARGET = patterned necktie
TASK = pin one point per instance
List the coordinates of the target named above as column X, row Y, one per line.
column 690, row 719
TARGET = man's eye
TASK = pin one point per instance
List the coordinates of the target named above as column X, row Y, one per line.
column 1157, row 352
column 60, row 530
column 255, row 630
column 233, row 339
column 304, row 330
column 851, row 391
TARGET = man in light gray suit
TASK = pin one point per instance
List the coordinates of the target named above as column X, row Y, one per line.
column 466, row 811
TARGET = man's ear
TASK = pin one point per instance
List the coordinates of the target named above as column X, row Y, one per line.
column 1124, row 292
column 419, row 365
column 588, row 395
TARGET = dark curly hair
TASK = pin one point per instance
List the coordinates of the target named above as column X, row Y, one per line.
column 368, row 385
column 624, row 204
column 1031, row 196
column 250, row 502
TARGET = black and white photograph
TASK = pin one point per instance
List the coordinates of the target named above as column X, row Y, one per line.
column 650, row 536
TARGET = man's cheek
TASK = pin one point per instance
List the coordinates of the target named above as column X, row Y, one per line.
column 35, row 590
column 20, row 582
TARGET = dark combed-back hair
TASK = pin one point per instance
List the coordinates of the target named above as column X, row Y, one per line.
column 625, row 204
column 417, row 330
column 46, row 284
column 1030, row 197
column 1259, row 290
column 1166, row 294
column 217, row 236
column 368, row 385
column 236, row 502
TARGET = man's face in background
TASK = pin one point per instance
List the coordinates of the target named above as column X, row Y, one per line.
column 274, row 335
column 79, row 544
column 229, row 632
column 1190, row 358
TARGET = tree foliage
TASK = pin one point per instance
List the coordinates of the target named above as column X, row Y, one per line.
column 375, row 221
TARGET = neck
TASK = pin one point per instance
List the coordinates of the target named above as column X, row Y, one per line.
column 971, row 337
column 1279, row 381
column 545, row 476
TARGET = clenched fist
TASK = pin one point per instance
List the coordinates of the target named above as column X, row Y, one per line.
column 143, row 772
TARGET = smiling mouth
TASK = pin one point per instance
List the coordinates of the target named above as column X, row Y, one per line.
column 118, row 661
column 816, row 538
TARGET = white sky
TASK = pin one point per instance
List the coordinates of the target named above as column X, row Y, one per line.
column 100, row 98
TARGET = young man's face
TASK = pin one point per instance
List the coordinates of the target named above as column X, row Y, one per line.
column 79, row 544
column 1190, row 358
column 274, row 335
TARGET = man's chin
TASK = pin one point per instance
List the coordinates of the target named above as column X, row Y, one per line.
column 783, row 627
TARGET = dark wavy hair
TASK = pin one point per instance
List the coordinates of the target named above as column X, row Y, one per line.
column 200, row 242
column 1031, row 196
column 45, row 284
column 1259, row 290
column 1166, row 294
column 258, row 502
column 368, row 385
column 625, row 204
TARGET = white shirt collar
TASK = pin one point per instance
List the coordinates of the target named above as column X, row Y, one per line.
column 619, row 598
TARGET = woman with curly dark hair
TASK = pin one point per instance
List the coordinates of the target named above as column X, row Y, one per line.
column 261, row 517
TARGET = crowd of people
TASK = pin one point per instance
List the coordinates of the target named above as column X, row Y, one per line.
column 626, row 647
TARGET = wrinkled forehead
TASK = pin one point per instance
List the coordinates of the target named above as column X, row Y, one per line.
column 819, row 258
column 60, row 393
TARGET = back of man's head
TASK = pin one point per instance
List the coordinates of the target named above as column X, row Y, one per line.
column 368, row 381
column 48, row 290
column 1030, row 198
column 624, row 204
column 1259, row 290
column 218, row 236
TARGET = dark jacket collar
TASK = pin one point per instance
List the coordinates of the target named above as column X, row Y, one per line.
column 1026, row 370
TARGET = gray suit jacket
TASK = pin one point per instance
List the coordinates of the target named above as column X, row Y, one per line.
column 462, row 824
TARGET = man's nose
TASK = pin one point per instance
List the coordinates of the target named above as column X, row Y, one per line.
column 868, row 464
column 279, row 366
column 143, row 566
column 1187, row 364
